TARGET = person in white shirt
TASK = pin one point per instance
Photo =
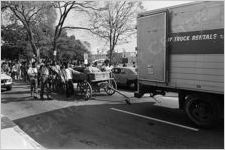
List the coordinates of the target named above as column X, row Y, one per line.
column 69, row 82
column 14, row 72
column 32, row 72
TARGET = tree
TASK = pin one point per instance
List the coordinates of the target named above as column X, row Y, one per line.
column 13, row 34
column 14, row 41
column 29, row 14
column 116, row 23
column 70, row 48
column 35, row 18
column 64, row 8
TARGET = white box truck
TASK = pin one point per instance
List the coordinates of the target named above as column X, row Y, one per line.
column 181, row 49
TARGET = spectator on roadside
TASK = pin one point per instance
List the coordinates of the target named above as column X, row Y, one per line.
column 14, row 71
column 23, row 71
column 91, row 69
column 18, row 73
column 6, row 68
column 106, row 67
column 57, row 65
column 62, row 74
column 95, row 64
column 32, row 72
column 45, row 80
column 69, row 80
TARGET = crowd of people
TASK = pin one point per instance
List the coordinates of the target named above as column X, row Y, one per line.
column 16, row 69
column 47, row 75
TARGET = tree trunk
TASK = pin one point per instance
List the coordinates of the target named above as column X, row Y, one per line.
column 110, row 58
column 34, row 48
column 110, row 54
column 32, row 42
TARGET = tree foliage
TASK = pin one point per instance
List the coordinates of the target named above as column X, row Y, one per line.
column 14, row 41
column 13, row 34
column 71, row 48
column 115, row 23
column 29, row 14
column 38, row 23
column 64, row 8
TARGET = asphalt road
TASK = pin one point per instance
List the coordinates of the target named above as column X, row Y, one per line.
column 106, row 122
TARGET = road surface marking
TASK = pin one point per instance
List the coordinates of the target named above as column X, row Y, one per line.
column 150, row 118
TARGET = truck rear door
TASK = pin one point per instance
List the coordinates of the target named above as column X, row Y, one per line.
column 151, row 43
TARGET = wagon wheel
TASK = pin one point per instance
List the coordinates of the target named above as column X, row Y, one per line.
column 85, row 89
column 108, row 89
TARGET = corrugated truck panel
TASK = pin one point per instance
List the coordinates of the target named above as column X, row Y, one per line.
column 195, row 48
column 201, row 16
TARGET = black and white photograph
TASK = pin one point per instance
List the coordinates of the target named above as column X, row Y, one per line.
column 105, row 74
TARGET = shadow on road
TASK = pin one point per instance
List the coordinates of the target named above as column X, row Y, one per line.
column 100, row 127
column 19, row 86
column 18, row 92
column 20, row 99
column 3, row 90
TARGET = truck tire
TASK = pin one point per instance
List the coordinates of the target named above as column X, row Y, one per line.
column 202, row 111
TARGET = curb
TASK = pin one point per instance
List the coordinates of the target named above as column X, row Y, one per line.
column 17, row 129
column 28, row 138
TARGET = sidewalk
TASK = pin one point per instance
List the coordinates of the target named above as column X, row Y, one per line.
column 12, row 137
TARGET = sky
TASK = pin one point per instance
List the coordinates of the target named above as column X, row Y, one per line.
column 97, row 43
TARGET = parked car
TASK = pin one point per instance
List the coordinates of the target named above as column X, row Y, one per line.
column 6, row 81
column 125, row 76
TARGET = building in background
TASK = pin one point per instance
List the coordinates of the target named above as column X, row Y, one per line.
column 98, row 57
column 117, row 57
column 131, row 56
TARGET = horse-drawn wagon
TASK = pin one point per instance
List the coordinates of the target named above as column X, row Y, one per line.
column 89, row 82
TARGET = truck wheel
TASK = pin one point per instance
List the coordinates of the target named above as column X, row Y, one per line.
column 202, row 111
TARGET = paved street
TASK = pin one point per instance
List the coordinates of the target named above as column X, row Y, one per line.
column 106, row 122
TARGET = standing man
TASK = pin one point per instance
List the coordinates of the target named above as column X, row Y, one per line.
column 23, row 71
column 45, row 81
column 18, row 74
column 14, row 71
column 69, row 82
column 62, row 83
column 32, row 72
